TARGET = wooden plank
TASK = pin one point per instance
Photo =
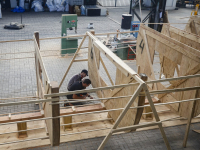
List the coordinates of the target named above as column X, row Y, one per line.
column 93, row 69
column 40, row 60
column 21, row 117
column 37, row 115
column 121, row 103
column 78, row 60
column 53, row 125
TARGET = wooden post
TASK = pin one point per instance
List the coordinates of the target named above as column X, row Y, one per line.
column 22, row 126
column 36, row 34
column 141, row 101
column 147, row 110
column 53, row 125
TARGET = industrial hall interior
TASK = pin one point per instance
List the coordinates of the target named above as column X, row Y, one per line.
column 99, row 75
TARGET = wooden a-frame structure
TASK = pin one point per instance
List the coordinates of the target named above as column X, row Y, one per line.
column 128, row 119
column 124, row 99
column 179, row 55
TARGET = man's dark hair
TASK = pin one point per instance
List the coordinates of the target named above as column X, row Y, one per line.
column 87, row 81
column 85, row 71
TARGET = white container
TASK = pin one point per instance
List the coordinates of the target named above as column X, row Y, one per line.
column 170, row 5
column 13, row 3
column 103, row 10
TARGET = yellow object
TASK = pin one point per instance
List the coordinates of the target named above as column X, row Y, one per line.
column 195, row 12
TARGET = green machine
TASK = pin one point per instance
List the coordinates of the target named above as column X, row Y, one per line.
column 69, row 21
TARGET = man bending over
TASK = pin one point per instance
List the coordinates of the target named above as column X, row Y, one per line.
column 78, row 86
column 77, row 77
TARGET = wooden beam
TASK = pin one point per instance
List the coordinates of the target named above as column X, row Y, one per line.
column 78, row 60
column 141, row 101
column 53, row 125
column 21, row 117
column 37, row 51
column 37, row 115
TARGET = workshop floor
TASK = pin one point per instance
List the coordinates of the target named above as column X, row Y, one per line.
column 141, row 140
column 17, row 76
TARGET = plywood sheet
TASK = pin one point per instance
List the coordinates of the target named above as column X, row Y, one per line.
column 183, row 36
column 176, row 48
column 142, row 55
column 121, row 103
column 93, row 63
column 186, row 108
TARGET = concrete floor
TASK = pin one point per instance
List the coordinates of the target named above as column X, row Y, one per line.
column 17, row 76
column 141, row 140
